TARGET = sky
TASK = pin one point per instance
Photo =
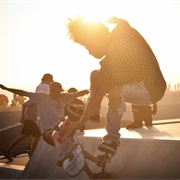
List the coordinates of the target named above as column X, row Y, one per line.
column 34, row 41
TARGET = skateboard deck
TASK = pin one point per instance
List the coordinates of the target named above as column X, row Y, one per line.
column 70, row 151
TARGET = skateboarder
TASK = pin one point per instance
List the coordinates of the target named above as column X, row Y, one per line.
column 30, row 120
column 129, row 72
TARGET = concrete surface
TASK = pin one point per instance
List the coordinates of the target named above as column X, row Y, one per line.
column 9, row 170
column 148, row 153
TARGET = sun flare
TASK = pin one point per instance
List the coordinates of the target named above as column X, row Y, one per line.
column 94, row 11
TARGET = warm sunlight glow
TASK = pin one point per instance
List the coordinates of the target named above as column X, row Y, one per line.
column 93, row 10
column 34, row 38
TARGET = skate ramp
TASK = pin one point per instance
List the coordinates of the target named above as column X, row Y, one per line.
column 8, row 134
column 150, row 153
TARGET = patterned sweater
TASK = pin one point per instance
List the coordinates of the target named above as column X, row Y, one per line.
column 130, row 59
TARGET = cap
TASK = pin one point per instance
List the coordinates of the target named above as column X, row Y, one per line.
column 47, row 76
column 55, row 86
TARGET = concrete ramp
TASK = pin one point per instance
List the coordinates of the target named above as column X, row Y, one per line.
column 43, row 163
column 144, row 153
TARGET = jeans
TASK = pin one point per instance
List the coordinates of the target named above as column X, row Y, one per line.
column 134, row 93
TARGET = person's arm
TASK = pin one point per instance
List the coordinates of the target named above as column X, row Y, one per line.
column 15, row 91
column 24, row 107
column 93, row 104
column 80, row 93
column 154, row 109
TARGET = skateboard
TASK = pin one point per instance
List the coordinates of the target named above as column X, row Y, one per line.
column 70, row 151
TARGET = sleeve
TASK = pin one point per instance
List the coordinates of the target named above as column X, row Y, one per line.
column 106, row 81
column 68, row 98
column 35, row 97
column 29, row 103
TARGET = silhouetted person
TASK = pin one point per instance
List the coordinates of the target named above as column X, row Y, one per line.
column 46, row 80
column 30, row 127
column 129, row 72
column 29, row 119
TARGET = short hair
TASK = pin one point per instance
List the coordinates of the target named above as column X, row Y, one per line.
column 81, row 32
column 72, row 90
column 55, row 87
column 46, row 77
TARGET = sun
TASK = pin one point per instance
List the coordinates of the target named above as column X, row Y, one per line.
column 99, row 11
column 92, row 10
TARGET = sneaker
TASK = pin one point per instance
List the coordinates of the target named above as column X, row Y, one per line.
column 95, row 118
column 108, row 146
column 74, row 112
column 102, row 159
column 134, row 125
column 7, row 156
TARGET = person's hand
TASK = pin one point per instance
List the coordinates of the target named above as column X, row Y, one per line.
column 85, row 92
column 154, row 110
column 2, row 86
column 73, row 126
column 61, row 118
column 114, row 20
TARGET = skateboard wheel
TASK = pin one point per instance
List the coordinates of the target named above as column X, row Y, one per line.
column 59, row 163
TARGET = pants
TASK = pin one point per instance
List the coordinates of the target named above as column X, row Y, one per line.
column 134, row 93
column 142, row 113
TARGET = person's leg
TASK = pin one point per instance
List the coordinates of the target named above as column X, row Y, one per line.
column 93, row 83
column 15, row 142
column 113, row 121
column 138, row 117
column 134, row 93
column 34, row 144
column 35, row 132
column 12, row 145
column 24, row 134
column 148, row 116
column 96, row 117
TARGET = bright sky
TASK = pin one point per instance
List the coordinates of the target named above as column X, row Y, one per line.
column 34, row 41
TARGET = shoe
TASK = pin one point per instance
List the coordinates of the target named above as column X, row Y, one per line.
column 108, row 146
column 7, row 156
column 74, row 112
column 134, row 125
column 102, row 159
column 95, row 118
